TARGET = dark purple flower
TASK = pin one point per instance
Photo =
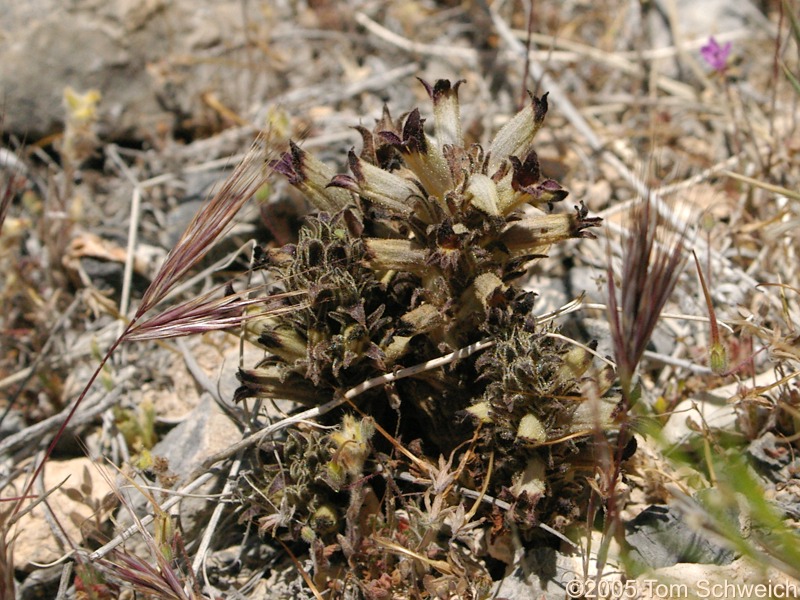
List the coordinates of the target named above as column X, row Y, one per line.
column 715, row 55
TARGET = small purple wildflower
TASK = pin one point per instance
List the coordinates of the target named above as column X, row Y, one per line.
column 715, row 55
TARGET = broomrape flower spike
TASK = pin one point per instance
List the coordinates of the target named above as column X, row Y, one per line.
column 413, row 255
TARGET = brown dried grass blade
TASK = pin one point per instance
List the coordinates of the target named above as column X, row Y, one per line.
column 6, row 195
column 303, row 573
column 198, row 239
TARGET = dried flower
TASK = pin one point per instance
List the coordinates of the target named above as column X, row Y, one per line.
column 80, row 138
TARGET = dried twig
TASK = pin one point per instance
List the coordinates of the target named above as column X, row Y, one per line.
column 211, row 528
column 147, row 519
column 466, row 54
column 133, row 229
column 558, row 97
column 31, row 434
column 318, row 411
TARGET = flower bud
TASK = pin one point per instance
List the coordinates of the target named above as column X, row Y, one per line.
column 325, row 520
column 531, row 480
column 378, row 185
column 284, row 341
column 531, row 430
column 423, row 319
column 481, row 193
column 481, row 411
column 575, row 363
column 425, row 159
column 395, row 254
column 516, row 136
column 537, row 233
column 718, row 358
column 446, row 112
column 311, row 176
column 350, row 448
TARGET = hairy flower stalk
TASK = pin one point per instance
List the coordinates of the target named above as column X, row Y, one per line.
column 412, row 255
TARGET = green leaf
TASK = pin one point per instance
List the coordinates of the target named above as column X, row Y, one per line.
column 790, row 76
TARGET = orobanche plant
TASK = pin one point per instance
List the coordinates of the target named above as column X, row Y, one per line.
column 412, row 255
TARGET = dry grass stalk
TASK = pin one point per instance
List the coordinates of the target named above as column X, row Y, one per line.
column 6, row 195
column 651, row 266
column 208, row 225
column 197, row 240
column 205, row 313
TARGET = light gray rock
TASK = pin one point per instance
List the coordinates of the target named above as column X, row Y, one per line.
column 544, row 575
column 152, row 62
column 709, row 17
column 204, row 432
column 661, row 536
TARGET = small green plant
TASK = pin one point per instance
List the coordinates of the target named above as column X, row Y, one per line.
column 138, row 427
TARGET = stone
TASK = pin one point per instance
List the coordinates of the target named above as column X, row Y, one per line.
column 76, row 505
column 661, row 536
column 152, row 62
column 716, row 581
column 205, row 431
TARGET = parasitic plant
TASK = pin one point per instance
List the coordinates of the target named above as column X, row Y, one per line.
column 414, row 254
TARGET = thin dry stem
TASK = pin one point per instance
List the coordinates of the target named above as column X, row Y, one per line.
column 198, row 239
column 6, row 196
column 198, row 564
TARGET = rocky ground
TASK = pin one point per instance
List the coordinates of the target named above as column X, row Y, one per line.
column 120, row 119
